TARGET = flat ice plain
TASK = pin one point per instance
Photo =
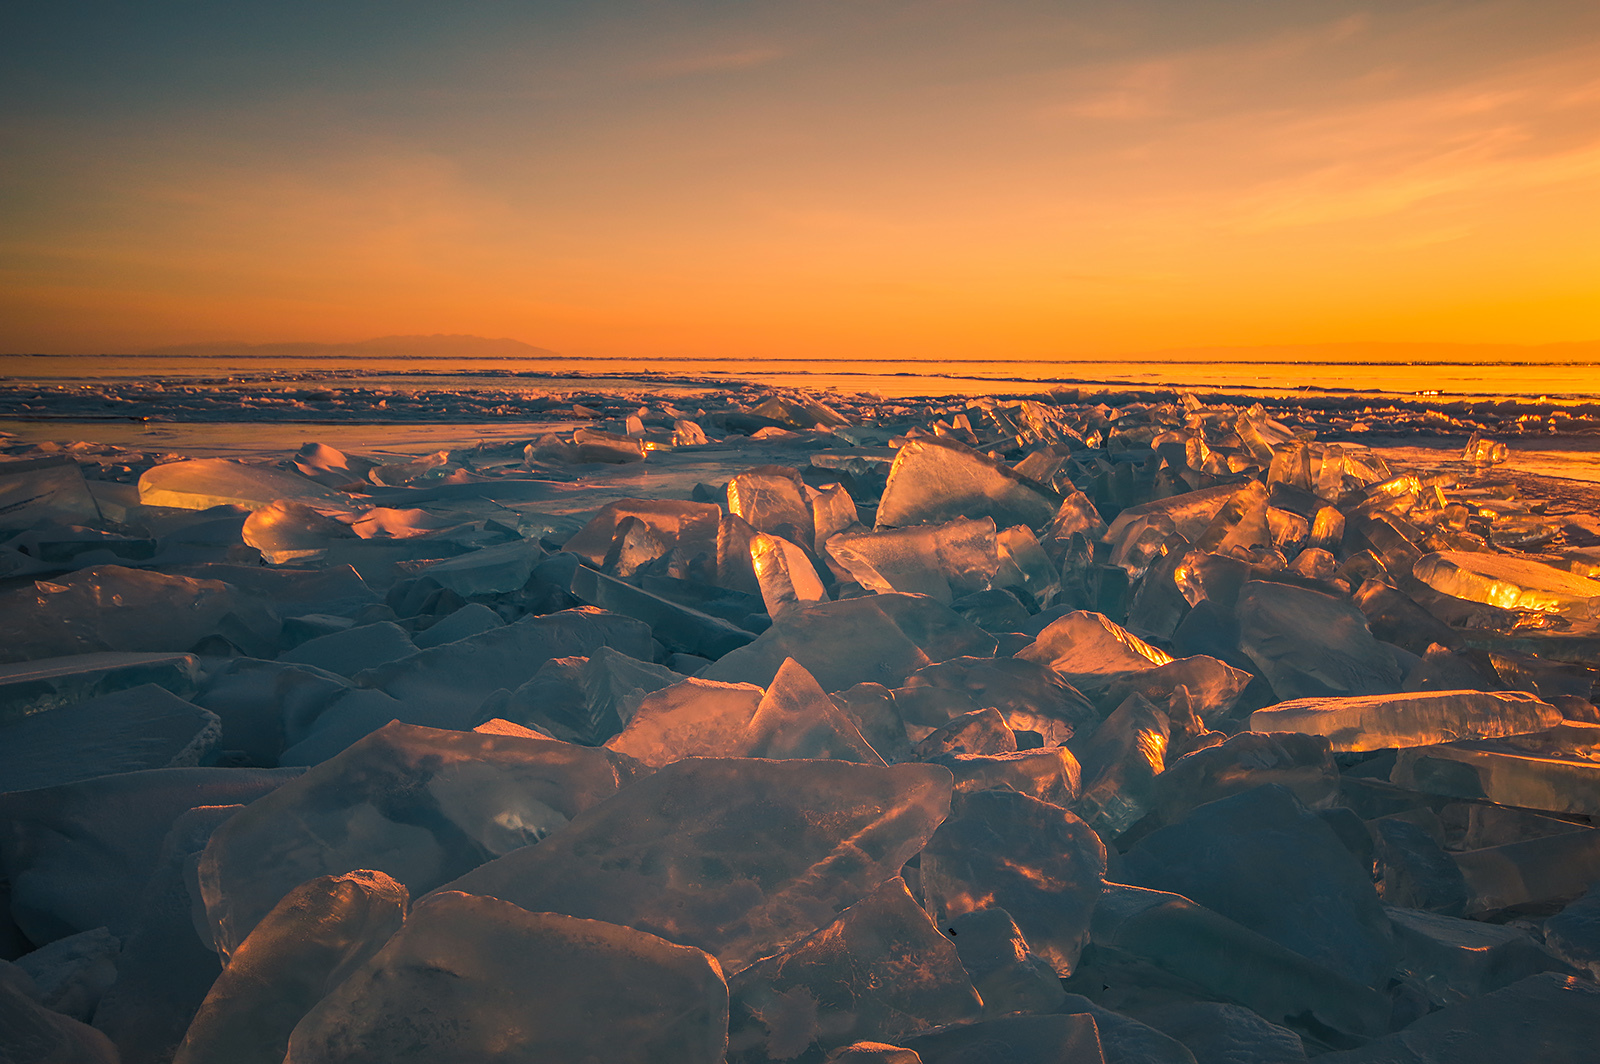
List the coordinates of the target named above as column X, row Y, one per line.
column 563, row 719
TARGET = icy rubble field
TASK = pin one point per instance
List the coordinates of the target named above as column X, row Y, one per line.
column 737, row 725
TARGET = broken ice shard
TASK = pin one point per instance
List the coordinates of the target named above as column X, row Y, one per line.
column 1035, row 860
column 1091, row 652
column 944, row 561
column 1416, row 718
column 738, row 856
column 882, row 969
column 1509, row 582
column 691, row 718
column 45, row 489
column 795, row 719
column 785, row 573
column 936, row 479
column 420, row 804
column 201, row 483
column 773, row 500
column 1555, row 782
column 455, row 983
column 314, row 938
column 1311, row 644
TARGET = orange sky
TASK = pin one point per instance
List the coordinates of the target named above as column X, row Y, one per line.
column 944, row 179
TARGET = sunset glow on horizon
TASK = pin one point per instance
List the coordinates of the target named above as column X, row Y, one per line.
column 875, row 180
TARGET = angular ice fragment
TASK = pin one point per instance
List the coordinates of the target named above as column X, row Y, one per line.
column 1574, row 932
column 1309, row 644
column 456, row 983
column 420, row 804
column 876, row 638
column 1030, row 696
column 982, row 731
column 494, row 570
column 457, row 677
column 686, row 532
column 469, row 620
column 795, row 719
column 1003, row 968
column 1551, row 782
column 691, row 718
column 881, row 970
column 1510, row 582
column 1236, row 963
column 365, row 646
column 773, row 499
column 1121, row 762
column 1209, row 686
column 140, row 728
column 1417, row 718
column 1555, row 868
column 1050, row 774
column 1301, row 763
column 785, row 573
column 286, row 531
column 738, row 856
column 589, row 699
column 201, row 483
column 1037, row 861
column 1190, row 513
column 313, row 939
column 45, row 489
column 1014, row 1040
column 1456, row 960
column 77, row 854
column 944, row 561
column 111, row 607
column 832, row 511
column 1261, row 858
column 935, row 480
column 70, row 974
column 681, row 628
column 1091, row 652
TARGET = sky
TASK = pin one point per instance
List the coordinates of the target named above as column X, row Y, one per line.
column 871, row 179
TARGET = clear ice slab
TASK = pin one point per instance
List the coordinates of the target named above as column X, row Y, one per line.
column 1411, row 719
column 879, row 971
column 737, row 856
column 1309, row 644
column 201, row 483
column 1510, row 582
column 934, row 480
column 944, row 561
column 455, row 983
column 420, row 804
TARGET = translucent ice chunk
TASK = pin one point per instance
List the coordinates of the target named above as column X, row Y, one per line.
column 1301, row 763
column 1510, row 582
column 832, row 511
column 420, row 804
column 876, row 638
column 469, row 620
column 1552, row 782
column 1418, row 718
column 1261, row 858
column 70, row 974
column 1190, row 513
column 1310, row 644
column 1091, row 652
column 110, row 607
column 795, row 719
column 785, row 573
column 286, row 531
column 691, row 718
column 943, row 561
column 455, row 983
column 1235, row 963
column 459, row 676
column 1003, row 968
column 1121, row 762
column 773, row 499
column 140, row 728
column 590, row 698
column 935, row 480
column 492, row 570
column 346, row 653
column 1555, row 868
column 1456, row 960
column 686, row 532
column 45, row 488
column 1037, row 861
column 314, row 938
column 1030, row 696
column 679, row 627
column 1050, row 774
column 201, row 483
column 881, row 970
column 738, row 856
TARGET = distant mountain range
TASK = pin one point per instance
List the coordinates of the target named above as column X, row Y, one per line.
column 437, row 346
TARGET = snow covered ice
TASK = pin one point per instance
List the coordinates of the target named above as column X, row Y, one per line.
column 763, row 728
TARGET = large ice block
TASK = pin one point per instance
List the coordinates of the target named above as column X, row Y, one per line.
column 49, row 683
column 460, row 675
column 686, row 534
column 420, row 804
column 1050, row 774
column 1003, row 968
column 475, row 978
column 53, row 488
column 1538, row 871
column 1121, row 761
column 1309, row 644
column 795, row 719
column 936, row 479
column 495, row 570
column 1456, row 960
column 591, row 698
column 1235, row 963
column 1415, row 718
column 876, row 638
column 681, row 628
column 1555, row 783
column 112, row 607
column 286, row 531
column 1261, row 858
column 738, row 856
column 347, row 652
column 785, row 573
column 1029, row 695
column 311, row 941
column 881, row 970
column 1037, row 861
column 691, row 718
column 773, row 499
column 1510, row 582
column 1302, row 763
column 201, row 483
column 1091, row 652
column 140, row 728
column 944, row 561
